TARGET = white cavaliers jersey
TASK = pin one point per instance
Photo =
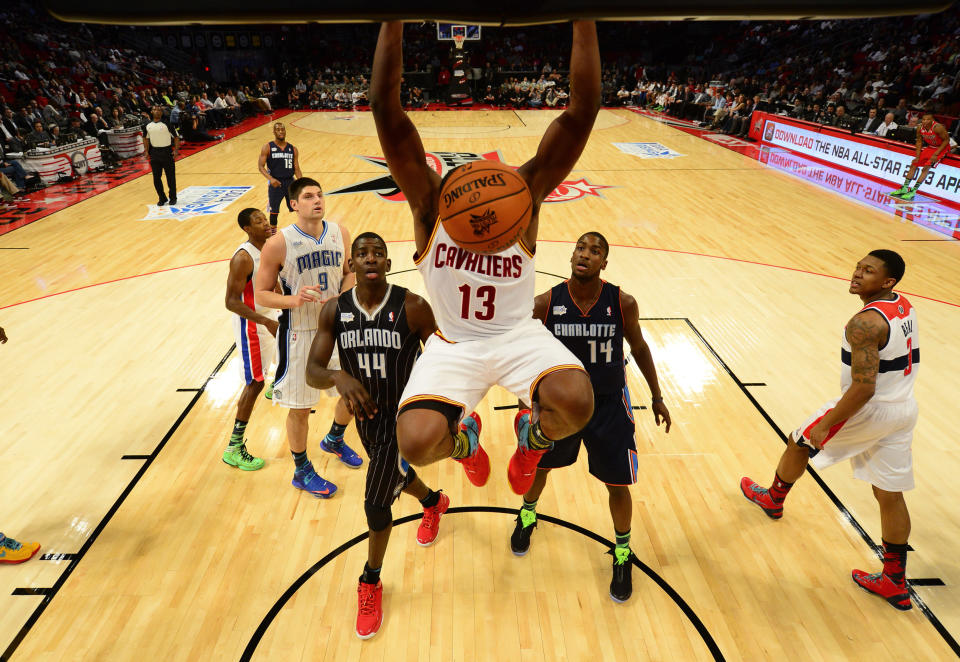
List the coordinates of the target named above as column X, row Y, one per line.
column 311, row 261
column 476, row 296
column 899, row 358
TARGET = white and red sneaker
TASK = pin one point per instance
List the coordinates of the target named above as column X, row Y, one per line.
column 369, row 609
column 430, row 524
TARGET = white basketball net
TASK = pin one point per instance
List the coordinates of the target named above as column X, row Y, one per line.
column 458, row 40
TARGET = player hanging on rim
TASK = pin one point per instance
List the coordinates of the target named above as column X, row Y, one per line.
column 933, row 143
column 486, row 333
column 253, row 330
column 280, row 163
column 309, row 256
column 592, row 318
column 871, row 424
column 378, row 329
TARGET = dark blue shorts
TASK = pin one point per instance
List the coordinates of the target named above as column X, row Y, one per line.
column 609, row 438
column 277, row 193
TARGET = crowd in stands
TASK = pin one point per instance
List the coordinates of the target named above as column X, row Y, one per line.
column 62, row 82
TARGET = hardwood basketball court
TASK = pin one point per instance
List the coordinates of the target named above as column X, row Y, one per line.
column 122, row 383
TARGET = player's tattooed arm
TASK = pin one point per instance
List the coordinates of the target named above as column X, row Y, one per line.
column 866, row 332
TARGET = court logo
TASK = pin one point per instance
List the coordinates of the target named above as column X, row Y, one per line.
column 198, row 201
column 648, row 150
column 442, row 163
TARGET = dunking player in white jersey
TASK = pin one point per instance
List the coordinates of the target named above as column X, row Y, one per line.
column 253, row 329
column 871, row 424
column 310, row 259
column 483, row 303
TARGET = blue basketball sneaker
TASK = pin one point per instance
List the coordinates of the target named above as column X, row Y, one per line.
column 306, row 479
column 343, row 452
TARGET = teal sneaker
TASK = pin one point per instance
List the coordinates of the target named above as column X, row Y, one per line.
column 900, row 191
column 268, row 394
column 237, row 456
column 908, row 195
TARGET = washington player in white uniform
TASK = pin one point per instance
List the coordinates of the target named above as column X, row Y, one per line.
column 253, row 329
column 871, row 424
column 483, row 303
column 309, row 257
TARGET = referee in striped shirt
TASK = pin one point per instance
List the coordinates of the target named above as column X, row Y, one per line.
column 162, row 148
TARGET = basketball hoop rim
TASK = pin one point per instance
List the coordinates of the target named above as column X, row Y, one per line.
column 458, row 40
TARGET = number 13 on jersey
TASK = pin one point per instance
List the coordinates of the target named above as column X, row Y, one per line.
column 480, row 302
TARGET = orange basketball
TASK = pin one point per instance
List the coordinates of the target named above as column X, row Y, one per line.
column 485, row 206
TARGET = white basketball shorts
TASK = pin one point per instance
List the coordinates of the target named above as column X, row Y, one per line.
column 291, row 389
column 461, row 373
column 876, row 440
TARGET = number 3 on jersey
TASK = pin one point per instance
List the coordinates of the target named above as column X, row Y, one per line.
column 379, row 364
column 483, row 299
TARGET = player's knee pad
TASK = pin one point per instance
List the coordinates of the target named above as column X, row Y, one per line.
column 378, row 517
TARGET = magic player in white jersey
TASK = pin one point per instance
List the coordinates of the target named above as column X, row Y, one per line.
column 309, row 257
column 483, row 303
column 253, row 329
column 871, row 424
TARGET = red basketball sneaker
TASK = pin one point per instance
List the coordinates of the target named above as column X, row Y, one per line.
column 761, row 497
column 477, row 464
column 370, row 609
column 430, row 524
column 880, row 584
column 523, row 464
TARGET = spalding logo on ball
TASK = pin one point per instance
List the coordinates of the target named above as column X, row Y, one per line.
column 485, row 206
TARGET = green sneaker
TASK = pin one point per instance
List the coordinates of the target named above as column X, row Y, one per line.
column 526, row 523
column 900, row 191
column 268, row 394
column 237, row 456
column 908, row 195
column 621, row 586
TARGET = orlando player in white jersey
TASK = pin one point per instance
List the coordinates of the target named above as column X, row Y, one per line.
column 253, row 329
column 309, row 257
column 483, row 303
column 871, row 424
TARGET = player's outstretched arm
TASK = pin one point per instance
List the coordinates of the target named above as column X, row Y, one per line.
column 642, row 355
column 567, row 135
column 419, row 316
column 320, row 376
column 399, row 139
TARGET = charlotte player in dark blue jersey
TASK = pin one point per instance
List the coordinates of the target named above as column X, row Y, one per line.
column 378, row 329
column 280, row 164
column 592, row 318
